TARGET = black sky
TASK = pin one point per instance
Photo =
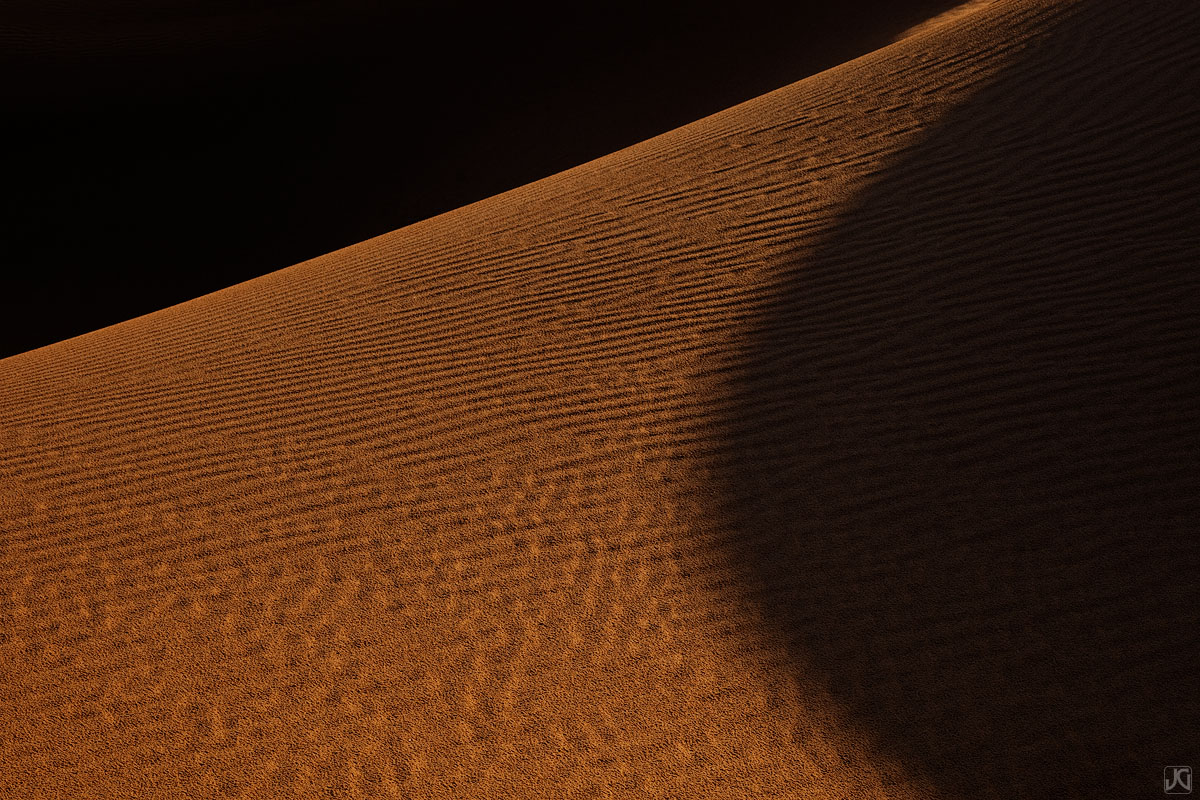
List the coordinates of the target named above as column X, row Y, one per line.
column 161, row 150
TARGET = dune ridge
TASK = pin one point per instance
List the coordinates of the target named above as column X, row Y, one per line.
column 550, row 495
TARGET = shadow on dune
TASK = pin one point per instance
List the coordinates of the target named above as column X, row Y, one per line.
column 964, row 471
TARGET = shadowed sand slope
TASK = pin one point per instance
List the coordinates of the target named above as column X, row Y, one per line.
column 840, row 444
column 964, row 472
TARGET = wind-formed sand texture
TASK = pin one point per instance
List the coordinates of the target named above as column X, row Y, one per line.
column 840, row 444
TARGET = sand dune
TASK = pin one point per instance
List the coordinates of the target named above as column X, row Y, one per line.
column 840, row 444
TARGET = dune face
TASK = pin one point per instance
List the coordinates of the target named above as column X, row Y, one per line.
column 839, row 444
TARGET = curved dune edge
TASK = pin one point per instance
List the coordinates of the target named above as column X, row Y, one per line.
column 949, row 16
column 439, row 514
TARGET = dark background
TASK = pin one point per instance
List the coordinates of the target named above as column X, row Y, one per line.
column 157, row 150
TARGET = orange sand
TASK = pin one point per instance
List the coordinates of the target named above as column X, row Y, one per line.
column 841, row 444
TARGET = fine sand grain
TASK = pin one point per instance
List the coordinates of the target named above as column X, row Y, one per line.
column 840, row 444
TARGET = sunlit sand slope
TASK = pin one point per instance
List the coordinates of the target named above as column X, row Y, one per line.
column 842, row 444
